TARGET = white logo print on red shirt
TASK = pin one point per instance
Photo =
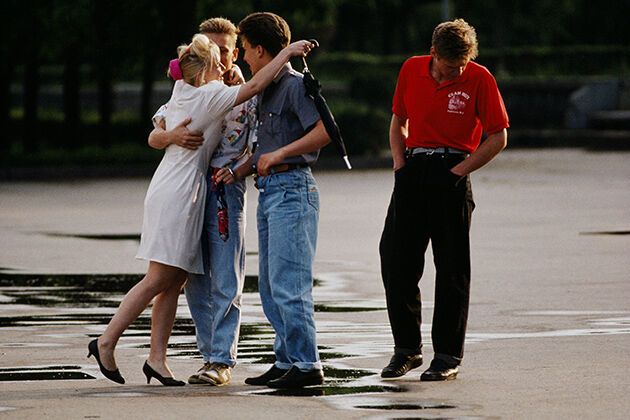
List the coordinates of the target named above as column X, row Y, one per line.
column 457, row 102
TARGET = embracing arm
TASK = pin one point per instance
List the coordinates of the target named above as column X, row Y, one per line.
column 491, row 147
column 311, row 142
column 159, row 138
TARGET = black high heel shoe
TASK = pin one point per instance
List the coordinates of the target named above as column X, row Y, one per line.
column 149, row 372
column 112, row 375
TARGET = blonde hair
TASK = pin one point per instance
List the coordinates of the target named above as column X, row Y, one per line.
column 219, row 25
column 455, row 40
column 196, row 58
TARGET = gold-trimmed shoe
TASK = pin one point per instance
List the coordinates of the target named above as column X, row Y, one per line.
column 194, row 379
column 218, row 374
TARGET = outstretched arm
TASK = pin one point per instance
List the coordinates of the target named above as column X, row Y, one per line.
column 311, row 142
column 265, row 75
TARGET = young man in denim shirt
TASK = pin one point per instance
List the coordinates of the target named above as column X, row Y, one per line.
column 290, row 135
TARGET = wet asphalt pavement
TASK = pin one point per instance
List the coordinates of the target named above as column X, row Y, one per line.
column 549, row 323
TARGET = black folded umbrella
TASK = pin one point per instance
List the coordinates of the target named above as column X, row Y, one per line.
column 314, row 90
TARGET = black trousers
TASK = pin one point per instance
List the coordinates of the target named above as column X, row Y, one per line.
column 429, row 204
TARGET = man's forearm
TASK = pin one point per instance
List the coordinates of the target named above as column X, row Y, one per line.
column 484, row 153
column 397, row 135
column 244, row 170
column 311, row 142
column 159, row 138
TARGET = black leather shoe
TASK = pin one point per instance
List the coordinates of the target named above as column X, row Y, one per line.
column 149, row 372
column 112, row 375
column 271, row 374
column 296, row 378
column 400, row 364
column 439, row 371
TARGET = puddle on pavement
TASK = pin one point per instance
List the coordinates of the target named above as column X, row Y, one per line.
column 89, row 300
column 401, row 406
column 346, row 309
column 345, row 374
column 44, row 373
column 608, row 232
column 407, row 406
column 99, row 237
column 330, row 390
column 338, row 382
column 73, row 289
column 118, row 394
column 85, row 296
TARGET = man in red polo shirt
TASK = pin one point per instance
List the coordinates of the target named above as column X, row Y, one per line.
column 442, row 105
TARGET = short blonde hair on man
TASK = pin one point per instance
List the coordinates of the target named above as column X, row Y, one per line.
column 219, row 25
column 455, row 40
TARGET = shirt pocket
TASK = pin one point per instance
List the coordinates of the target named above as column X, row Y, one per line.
column 272, row 122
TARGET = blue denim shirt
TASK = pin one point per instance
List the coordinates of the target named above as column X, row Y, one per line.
column 285, row 114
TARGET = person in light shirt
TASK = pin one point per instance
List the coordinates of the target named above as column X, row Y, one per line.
column 214, row 298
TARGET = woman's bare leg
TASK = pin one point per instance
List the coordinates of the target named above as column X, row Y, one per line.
column 159, row 277
column 162, row 320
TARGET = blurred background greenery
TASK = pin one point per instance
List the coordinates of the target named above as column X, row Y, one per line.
column 80, row 79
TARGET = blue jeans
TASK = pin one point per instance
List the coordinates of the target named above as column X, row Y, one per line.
column 287, row 215
column 214, row 299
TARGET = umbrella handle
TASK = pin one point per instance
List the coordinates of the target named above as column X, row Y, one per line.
column 315, row 45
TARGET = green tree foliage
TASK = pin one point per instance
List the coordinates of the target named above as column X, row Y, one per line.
column 73, row 46
column 546, row 22
column 67, row 20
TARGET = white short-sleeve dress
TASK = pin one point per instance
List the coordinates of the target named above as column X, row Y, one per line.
column 173, row 208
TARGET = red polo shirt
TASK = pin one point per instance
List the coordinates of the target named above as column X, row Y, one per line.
column 451, row 114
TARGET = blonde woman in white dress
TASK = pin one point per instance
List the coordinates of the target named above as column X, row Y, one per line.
column 173, row 208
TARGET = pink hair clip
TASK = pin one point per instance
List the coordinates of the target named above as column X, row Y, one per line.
column 175, row 70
